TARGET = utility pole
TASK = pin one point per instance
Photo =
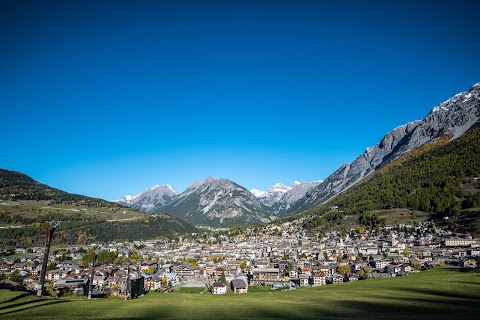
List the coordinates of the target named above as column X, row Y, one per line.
column 90, row 286
column 50, row 226
column 127, row 285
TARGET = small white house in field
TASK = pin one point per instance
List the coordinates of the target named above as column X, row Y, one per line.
column 219, row 288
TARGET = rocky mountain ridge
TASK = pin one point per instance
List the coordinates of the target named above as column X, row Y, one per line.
column 454, row 116
column 217, row 202
column 213, row 201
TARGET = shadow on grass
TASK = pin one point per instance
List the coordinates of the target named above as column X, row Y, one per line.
column 421, row 303
column 23, row 295
column 458, row 269
column 36, row 303
column 443, row 294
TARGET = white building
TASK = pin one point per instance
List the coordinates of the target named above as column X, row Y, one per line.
column 219, row 288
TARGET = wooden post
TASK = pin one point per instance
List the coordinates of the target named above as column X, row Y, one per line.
column 50, row 226
column 90, row 286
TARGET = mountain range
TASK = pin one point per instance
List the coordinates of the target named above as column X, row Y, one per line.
column 149, row 199
column 221, row 202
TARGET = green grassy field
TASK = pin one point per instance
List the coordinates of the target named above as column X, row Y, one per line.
column 443, row 293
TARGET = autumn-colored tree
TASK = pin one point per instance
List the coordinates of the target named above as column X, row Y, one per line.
column 343, row 269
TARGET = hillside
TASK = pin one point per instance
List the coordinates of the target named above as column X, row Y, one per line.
column 26, row 204
column 441, row 179
column 452, row 117
column 15, row 186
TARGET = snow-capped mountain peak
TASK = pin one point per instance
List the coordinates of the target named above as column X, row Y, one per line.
column 128, row 198
column 279, row 187
column 216, row 202
column 258, row 193
column 149, row 198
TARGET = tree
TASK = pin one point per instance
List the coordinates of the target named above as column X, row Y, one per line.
column 121, row 260
column 222, row 277
column 325, row 255
column 15, row 276
column 62, row 258
column 50, row 287
column 362, row 274
column 106, row 257
column 243, row 265
column 343, row 269
column 88, row 258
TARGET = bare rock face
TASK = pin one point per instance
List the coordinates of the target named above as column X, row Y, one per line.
column 454, row 116
column 216, row 202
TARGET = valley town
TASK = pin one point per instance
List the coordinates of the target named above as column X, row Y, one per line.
column 280, row 257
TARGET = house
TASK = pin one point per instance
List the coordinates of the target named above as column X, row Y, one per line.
column 99, row 279
column 374, row 275
column 184, row 271
column 325, row 269
column 55, row 275
column 265, row 276
column 76, row 287
column 392, row 268
column 293, row 274
column 219, row 288
column 307, row 271
column 152, row 282
column 337, row 279
column 304, row 279
column 239, row 286
column 283, row 265
column 149, row 267
column 319, row 279
column 136, row 287
column 172, row 278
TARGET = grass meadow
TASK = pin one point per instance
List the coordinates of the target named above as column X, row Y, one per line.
column 442, row 293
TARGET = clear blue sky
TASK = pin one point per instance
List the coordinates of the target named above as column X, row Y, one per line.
column 107, row 98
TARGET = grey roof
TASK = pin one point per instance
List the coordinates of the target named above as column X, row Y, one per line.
column 239, row 283
column 71, row 282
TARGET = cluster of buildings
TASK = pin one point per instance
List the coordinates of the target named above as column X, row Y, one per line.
column 280, row 256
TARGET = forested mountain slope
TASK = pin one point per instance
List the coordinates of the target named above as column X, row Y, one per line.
column 441, row 178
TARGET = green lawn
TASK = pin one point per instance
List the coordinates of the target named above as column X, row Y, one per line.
column 192, row 290
column 443, row 293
